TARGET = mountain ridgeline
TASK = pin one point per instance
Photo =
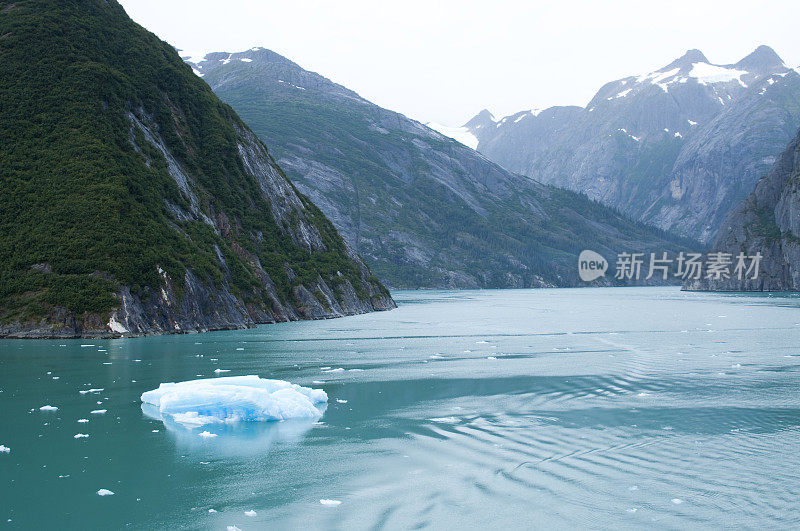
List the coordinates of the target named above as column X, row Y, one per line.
column 135, row 202
column 766, row 222
column 677, row 148
column 423, row 210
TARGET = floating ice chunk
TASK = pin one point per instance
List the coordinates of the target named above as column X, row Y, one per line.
column 212, row 511
column 86, row 391
column 677, row 501
column 341, row 401
column 83, row 421
column 446, row 420
column 104, row 492
column 232, row 528
column 4, row 449
column 48, row 408
column 207, row 434
column 219, row 371
column 491, row 357
column 80, row 436
column 98, row 411
column 234, row 399
column 250, row 513
column 338, row 369
column 330, row 503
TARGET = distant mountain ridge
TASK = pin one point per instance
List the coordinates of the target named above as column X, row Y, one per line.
column 678, row 147
column 135, row 202
column 422, row 209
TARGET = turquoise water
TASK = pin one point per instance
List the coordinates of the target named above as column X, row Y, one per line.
column 603, row 408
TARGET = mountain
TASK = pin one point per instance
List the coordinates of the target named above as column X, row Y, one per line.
column 766, row 222
column 422, row 209
column 678, row 147
column 136, row 202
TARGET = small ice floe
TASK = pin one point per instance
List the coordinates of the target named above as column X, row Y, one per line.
column 56, row 377
column 207, row 435
column 220, row 371
column 491, row 357
column 232, row 528
column 240, row 348
column 85, row 346
column 87, row 391
column 4, row 449
column 633, row 487
column 677, row 501
column 481, row 342
column 736, row 366
column 155, row 431
column 98, row 411
column 632, row 510
column 212, row 511
column 80, row 436
column 338, row 369
column 48, row 408
column 445, row 420
column 104, row 492
column 250, row 513
column 330, row 503
column 341, row 401
column 233, row 399
column 83, row 421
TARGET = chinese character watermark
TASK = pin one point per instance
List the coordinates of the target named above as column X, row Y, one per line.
column 684, row 266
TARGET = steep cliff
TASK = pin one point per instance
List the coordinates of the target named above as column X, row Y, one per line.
column 766, row 222
column 422, row 209
column 135, row 202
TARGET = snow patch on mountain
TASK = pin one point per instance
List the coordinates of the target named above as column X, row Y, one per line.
column 459, row 134
column 708, row 74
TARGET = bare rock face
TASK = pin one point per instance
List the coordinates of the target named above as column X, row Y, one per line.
column 766, row 222
column 422, row 210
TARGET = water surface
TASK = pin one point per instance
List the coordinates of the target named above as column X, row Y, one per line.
column 606, row 408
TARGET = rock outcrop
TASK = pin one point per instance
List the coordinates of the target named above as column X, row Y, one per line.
column 766, row 222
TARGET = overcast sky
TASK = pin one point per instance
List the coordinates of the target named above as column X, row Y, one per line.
column 444, row 61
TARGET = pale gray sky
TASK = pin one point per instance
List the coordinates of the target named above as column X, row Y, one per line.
column 444, row 61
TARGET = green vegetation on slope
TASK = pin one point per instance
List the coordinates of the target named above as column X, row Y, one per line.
column 78, row 196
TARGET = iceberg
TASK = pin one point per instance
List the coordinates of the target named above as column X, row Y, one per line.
column 233, row 399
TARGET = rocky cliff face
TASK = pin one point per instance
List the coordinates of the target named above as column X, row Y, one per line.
column 423, row 210
column 678, row 147
column 766, row 222
column 135, row 202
